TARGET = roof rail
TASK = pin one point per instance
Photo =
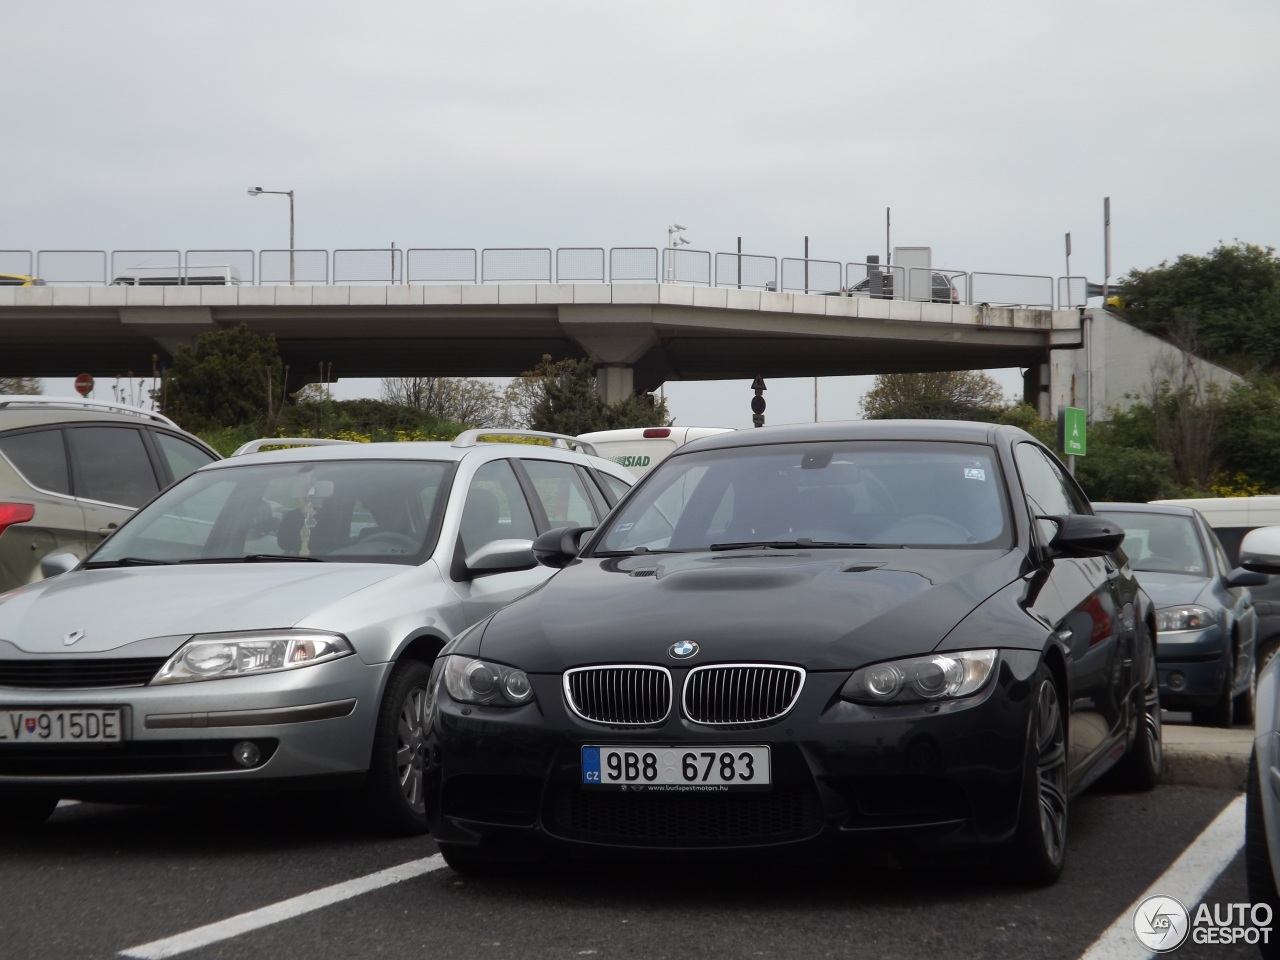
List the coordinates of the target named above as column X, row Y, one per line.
column 254, row 446
column 78, row 403
column 469, row 438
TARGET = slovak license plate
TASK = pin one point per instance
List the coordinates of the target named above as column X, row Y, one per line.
column 63, row 725
column 676, row 769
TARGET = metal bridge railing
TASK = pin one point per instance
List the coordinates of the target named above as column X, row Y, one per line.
column 465, row 265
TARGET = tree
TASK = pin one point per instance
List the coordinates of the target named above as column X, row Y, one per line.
column 28, row 386
column 466, row 401
column 228, row 378
column 945, row 395
column 1231, row 297
column 562, row 397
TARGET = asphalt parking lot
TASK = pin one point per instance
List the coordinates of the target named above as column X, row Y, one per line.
column 288, row 880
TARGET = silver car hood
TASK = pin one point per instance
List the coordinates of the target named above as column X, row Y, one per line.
column 119, row 605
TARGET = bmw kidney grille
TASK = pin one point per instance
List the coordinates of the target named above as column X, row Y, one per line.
column 741, row 693
column 715, row 695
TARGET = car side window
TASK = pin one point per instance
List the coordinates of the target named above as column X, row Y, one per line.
column 495, row 508
column 561, row 492
column 1048, row 490
column 110, row 464
column 41, row 457
column 616, row 486
column 181, row 456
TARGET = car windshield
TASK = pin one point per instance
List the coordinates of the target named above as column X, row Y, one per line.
column 371, row 511
column 829, row 494
column 1161, row 542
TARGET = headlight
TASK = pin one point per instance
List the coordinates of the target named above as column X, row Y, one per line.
column 217, row 656
column 1185, row 617
column 940, row 676
column 478, row 681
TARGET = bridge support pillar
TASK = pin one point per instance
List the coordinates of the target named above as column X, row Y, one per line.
column 615, row 381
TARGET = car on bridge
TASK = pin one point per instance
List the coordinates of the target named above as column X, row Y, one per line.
column 19, row 280
column 874, row 639
column 268, row 623
column 942, row 290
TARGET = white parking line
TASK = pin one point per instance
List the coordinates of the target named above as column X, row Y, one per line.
column 284, row 910
column 1187, row 879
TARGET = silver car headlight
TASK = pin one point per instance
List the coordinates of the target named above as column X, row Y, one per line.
column 1186, row 616
column 216, row 656
column 469, row 680
column 939, row 676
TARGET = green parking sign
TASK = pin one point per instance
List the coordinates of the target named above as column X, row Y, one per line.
column 1072, row 424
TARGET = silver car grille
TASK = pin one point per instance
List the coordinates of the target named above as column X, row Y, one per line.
column 620, row 695
column 722, row 694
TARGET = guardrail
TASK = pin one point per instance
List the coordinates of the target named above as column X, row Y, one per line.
column 425, row 265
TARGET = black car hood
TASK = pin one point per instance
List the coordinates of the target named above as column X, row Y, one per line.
column 823, row 609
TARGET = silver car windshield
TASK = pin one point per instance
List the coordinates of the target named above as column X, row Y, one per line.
column 879, row 494
column 381, row 511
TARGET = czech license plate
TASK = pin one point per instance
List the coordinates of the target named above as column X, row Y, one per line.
column 709, row 768
column 63, row 725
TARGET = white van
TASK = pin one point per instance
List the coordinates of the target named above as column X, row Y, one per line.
column 217, row 275
column 639, row 449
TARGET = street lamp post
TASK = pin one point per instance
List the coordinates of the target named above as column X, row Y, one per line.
column 258, row 191
column 672, row 242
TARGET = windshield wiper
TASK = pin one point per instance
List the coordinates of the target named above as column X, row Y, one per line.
column 127, row 562
column 269, row 557
column 798, row 543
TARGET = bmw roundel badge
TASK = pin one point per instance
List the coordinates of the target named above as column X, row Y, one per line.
column 683, row 649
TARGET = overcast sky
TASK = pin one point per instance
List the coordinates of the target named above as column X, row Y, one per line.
column 990, row 128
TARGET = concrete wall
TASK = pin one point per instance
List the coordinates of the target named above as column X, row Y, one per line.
column 1119, row 366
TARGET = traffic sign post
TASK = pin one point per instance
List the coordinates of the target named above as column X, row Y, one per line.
column 757, row 402
column 84, row 384
column 1073, row 424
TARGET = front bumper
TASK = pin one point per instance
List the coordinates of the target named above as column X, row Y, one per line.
column 1192, row 667
column 312, row 725
column 847, row 778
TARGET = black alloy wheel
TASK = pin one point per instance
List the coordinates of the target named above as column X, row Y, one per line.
column 1040, row 843
column 392, row 801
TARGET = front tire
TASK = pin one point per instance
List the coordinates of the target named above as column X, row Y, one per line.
column 1242, row 708
column 1039, row 846
column 391, row 802
column 1220, row 714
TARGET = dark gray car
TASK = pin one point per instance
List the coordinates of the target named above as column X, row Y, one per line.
column 1206, row 625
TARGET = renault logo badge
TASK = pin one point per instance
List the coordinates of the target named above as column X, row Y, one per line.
column 683, row 650
column 72, row 637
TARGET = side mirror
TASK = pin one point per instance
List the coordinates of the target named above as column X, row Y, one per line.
column 1240, row 577
column 1085, row 535
column 53, row 564
column 501, row 556
column 557, row 548
column 1260, row 550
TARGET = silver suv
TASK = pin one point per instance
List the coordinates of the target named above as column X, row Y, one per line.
column 73, row 470
column 269, row 622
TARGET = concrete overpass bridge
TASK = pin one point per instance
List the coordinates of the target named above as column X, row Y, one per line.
column 639, row 334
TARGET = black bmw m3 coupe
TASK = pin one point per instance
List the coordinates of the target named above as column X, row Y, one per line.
column 869, row 639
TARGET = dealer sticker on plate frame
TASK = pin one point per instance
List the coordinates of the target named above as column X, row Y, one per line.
column 665, row 768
